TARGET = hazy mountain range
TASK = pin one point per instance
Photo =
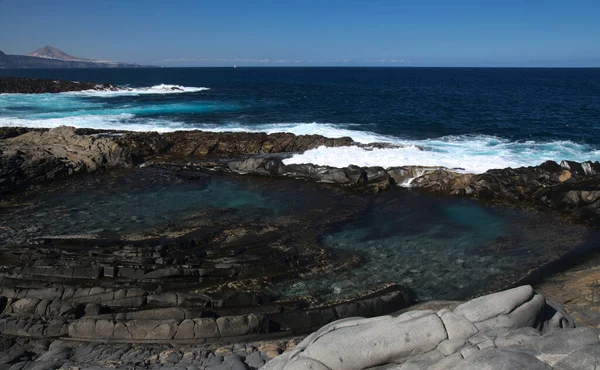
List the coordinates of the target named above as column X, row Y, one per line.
column 51, row 57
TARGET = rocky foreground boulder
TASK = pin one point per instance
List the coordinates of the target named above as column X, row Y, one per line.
column 514, row 329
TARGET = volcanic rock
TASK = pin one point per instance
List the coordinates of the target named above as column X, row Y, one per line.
column 20, row 85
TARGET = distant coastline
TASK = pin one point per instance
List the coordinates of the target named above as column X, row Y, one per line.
column 49, row 57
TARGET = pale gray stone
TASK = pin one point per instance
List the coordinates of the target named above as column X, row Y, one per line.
column 488, row 306
column 451, row 346
column 185, row 330
column 254, row 360
column 468, row 351
column 527, row 313
column 587, row 357
column 486, row 344
column 206, row 328
column 232, row 326
column 456, row 325
column 498, row 359
column 366, row 344
column 422, row 362
column 447, row 362
column 565, row 341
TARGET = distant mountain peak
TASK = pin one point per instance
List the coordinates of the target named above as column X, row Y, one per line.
column 53, row 53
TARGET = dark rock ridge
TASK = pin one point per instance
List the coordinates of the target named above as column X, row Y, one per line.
column 30, row 156
column 19, row 85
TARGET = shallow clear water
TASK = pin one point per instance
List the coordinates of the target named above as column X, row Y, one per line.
column 442, row 249
column 439, row 247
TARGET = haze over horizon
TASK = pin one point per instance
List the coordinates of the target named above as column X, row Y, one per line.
column 310, row 33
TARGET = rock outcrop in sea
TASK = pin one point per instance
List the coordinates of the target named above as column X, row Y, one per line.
column 20, row 85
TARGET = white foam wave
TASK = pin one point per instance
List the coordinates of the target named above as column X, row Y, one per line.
column 463, row 153
column 125, row 91
column 304, row 128
column 123, row 121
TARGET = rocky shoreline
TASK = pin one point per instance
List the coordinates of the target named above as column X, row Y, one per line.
column 36, row 156
column 19, row 85
column 195, row 283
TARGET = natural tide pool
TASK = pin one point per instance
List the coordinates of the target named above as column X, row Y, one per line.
column 440, row 247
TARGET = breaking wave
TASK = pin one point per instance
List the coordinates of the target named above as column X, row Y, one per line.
column 156, row 89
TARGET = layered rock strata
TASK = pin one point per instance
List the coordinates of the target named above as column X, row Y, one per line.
column 200, row 281
column 518, row 328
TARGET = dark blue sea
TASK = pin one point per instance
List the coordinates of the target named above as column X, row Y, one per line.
column 469, row 118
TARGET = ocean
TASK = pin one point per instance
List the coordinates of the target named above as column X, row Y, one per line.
column 470, row 119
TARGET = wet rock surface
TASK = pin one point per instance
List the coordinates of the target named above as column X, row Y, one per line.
column 196, row 282
column 20, row 85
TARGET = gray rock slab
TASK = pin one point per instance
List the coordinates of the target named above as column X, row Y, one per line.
column 587, row 357
column 488, row 306
column 451, row 346
column 381, row 342
column 498, row 359
column 565, row 341
column 457, row 326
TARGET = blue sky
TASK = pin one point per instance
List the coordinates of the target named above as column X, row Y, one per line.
column 325, row 32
